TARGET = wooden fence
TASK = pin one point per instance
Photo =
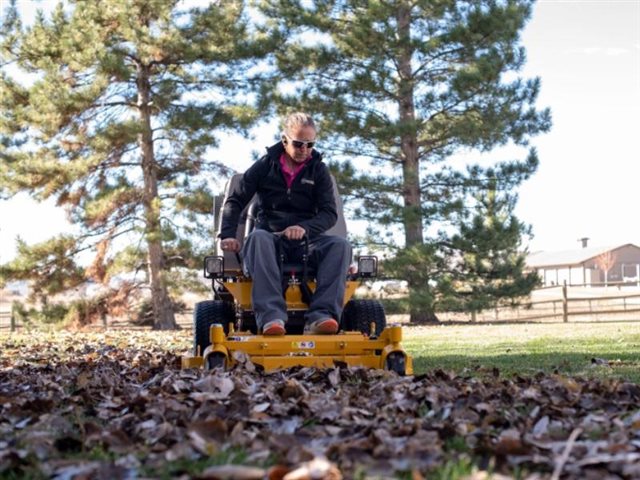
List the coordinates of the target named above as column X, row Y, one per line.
column 566, row 308
column 7, row 321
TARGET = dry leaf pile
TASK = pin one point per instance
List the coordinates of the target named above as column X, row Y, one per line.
column 118, row 406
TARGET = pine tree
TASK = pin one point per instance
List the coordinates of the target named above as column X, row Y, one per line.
column 400, row 86
column 114, row 111
column 48, row 265
column 489, row 261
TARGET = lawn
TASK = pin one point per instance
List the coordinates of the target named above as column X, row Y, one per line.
column 594, row 350
column 115, row 404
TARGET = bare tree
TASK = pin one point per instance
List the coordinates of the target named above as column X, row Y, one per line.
column 605, row 262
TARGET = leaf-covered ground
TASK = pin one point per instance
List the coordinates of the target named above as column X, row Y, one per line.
column 116, row 405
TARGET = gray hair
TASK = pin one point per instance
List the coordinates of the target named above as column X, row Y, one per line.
column 297, row 119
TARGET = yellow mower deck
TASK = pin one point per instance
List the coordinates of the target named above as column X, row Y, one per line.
column 272, row 353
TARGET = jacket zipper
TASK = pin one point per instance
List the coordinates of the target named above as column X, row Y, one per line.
column 296, row 179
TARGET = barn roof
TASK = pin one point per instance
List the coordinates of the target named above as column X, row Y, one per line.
column 568, row 257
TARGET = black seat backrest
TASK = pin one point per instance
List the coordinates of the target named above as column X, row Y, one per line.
column 247, row 220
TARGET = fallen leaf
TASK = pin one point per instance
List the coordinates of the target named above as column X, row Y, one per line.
column 232, row 472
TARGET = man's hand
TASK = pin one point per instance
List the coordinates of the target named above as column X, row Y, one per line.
column 230, row 245
column 294, row 232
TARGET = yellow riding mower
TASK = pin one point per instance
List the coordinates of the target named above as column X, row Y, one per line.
column 227, row 323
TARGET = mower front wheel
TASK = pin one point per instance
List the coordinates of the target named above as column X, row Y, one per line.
column 205, row 314
column 216, row 360
column 397, row 362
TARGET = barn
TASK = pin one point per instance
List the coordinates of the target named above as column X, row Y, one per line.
column 588, row 265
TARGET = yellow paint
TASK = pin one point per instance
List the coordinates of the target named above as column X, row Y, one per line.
column 192, row 362
column 349, row 348
column 241, row 291
column 346, row 348
column 293, row 296
column 350, row 290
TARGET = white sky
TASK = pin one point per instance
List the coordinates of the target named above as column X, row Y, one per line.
column 587, row 53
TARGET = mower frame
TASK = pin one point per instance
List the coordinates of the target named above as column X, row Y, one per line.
column 225, row 327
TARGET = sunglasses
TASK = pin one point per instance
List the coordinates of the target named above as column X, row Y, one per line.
column 299, row 144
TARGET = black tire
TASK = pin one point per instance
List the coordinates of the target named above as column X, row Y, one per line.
column 396, row 362
column 216, row 360
column 359, row 314
column 208, row 313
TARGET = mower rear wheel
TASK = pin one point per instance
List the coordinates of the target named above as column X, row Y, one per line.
column 359, row 314
column 205, row 314
column 396, row 362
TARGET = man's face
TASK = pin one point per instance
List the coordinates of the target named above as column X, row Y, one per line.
column 297, row 141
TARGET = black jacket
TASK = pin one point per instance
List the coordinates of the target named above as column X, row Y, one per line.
column 310, row 201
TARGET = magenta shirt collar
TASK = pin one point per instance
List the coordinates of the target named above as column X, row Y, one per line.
column 288, row 174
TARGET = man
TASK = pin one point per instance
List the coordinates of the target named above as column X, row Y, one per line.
column 295, row 199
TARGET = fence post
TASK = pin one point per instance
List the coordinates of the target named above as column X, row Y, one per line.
column 13, row 317
column 565, row 303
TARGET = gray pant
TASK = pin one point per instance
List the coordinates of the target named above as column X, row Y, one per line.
column 329, row 255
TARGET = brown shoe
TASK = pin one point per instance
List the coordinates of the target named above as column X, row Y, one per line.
column 274, row 327
column 324, row 326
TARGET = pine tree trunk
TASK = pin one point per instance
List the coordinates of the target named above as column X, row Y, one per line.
column 163, row 317
column 423, row 318
column 409, row 147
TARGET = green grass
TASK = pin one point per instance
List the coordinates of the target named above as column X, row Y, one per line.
column 194, row 467
column 453, row 470
column 525, row 349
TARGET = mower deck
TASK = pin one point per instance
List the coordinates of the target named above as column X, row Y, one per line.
column 322, row 351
